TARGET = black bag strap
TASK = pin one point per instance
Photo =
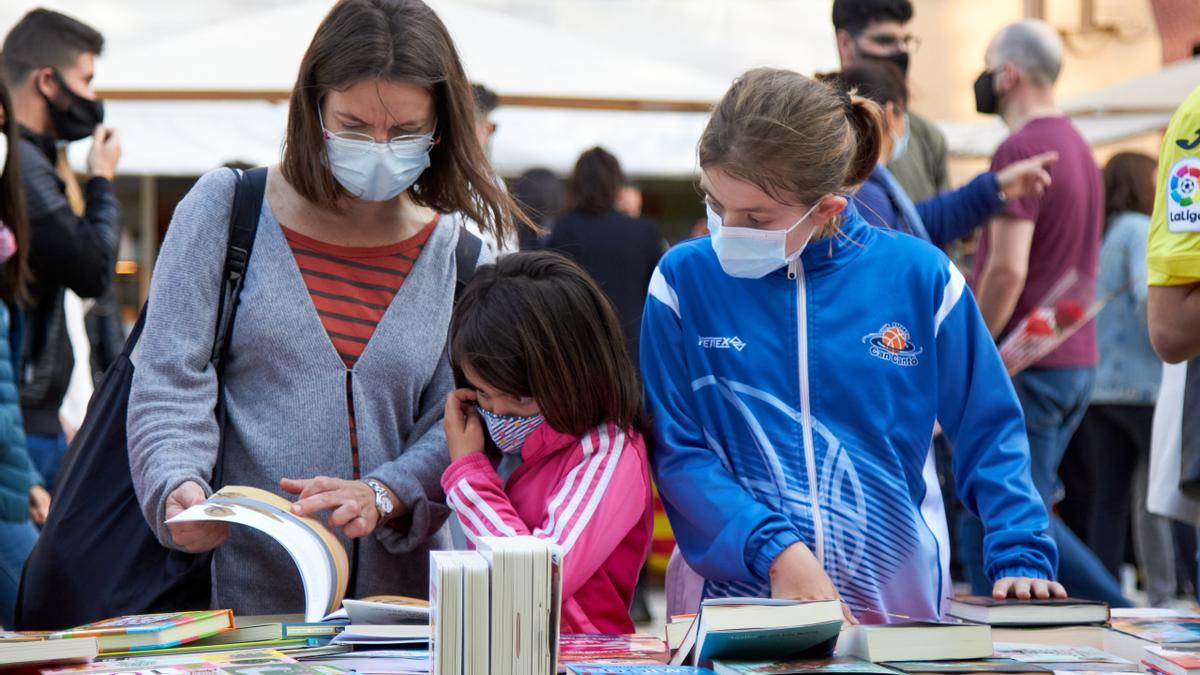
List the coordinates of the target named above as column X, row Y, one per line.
column 243, row 225
column 466, row 259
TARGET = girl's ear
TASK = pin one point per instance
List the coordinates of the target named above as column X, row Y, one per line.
column 830, row 207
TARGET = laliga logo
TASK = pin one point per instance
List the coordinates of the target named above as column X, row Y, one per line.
column 1184, row 183
column 893, row 343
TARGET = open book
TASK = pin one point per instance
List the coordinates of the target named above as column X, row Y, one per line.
column 318, row 554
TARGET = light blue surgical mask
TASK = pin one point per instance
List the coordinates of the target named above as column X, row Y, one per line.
column 900, row 145
column 372, row 171
column 750, row 253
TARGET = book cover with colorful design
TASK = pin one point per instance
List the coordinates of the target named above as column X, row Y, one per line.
column 152, row 631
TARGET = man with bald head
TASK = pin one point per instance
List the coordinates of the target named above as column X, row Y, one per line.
column 1026, row 250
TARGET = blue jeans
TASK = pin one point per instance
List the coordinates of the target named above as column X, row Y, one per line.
column 1054, row 400
column 16, row 541
column 47, row 454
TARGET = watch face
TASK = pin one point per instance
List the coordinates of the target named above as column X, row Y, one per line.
column 385, row 504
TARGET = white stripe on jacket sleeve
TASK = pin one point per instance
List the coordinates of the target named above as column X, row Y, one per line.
column 594, row 466
column 597, row 494
column 950, row 297
column 662, row 291
column 479, row 507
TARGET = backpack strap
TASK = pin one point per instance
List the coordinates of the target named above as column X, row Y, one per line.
column 466, row 259
column 243, row 225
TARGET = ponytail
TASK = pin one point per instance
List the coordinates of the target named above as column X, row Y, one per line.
column 866, row 119
column 795, row 138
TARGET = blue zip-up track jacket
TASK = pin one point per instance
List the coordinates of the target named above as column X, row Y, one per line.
column 800, row 407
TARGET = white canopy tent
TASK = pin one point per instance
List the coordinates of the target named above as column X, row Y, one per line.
column 630, row 51
column 188, row 138
column 640, row 54
column 1159, row 92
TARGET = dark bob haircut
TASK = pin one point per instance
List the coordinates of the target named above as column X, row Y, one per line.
column 534, row 324
column 596, row 181
column 1129, row 179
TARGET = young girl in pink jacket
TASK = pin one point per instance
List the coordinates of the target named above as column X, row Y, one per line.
column 547, row 383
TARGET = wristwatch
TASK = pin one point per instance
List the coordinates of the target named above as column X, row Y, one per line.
column 383, row 503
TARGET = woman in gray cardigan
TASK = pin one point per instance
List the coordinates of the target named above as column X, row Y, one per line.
column 337, row 375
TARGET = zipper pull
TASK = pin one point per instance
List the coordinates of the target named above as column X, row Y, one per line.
column 792, row 268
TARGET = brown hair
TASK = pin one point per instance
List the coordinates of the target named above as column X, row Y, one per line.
column 402, row 41
column 535, row 324
column 14, row 282
column 596, row 181
column 46, row 39
column 1129, row 183
column 791, row 136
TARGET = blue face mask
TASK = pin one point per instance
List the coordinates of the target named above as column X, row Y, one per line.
column 373, row 171
column 750, row 253
column 900, row 145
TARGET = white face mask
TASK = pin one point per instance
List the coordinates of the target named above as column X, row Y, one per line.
column 376, row 172
column 750, row 253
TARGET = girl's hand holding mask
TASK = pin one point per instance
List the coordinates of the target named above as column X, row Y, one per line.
column 464, row 428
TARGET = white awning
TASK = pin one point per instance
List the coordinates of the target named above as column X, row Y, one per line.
column 187, row 138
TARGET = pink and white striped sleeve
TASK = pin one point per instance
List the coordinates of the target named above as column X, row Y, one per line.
column 590, row 512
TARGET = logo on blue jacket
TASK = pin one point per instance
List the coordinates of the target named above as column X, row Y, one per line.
column 734, row 342
column 893, row 343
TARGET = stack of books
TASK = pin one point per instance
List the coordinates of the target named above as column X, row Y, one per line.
column 496, row 609
column 760, row 628
column 1029, row 613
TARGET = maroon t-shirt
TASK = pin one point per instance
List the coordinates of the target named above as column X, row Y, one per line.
column 1068, row 224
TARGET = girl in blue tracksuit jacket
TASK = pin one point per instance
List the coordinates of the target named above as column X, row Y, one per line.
column 795, row 363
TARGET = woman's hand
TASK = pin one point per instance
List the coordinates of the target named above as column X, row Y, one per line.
column 1026, row 177
column 797, row 575
column 193, row 537
column 464, row 428
column 352, row 503
column 39, row 505
column 1024, row 588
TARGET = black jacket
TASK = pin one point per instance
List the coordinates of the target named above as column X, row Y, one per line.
column 65, row 251
column 620, row 253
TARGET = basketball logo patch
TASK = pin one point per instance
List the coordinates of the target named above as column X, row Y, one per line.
column 892, row 342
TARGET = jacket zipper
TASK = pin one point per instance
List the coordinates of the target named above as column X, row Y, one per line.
column 796, row 272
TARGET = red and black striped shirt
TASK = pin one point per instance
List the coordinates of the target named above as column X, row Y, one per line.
column 351, row 288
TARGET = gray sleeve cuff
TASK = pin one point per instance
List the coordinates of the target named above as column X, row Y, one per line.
column 427, row 511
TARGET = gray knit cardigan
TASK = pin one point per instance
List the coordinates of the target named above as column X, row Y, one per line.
column 286, row 395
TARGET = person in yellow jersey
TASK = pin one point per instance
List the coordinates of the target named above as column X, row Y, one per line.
column 1173, row 313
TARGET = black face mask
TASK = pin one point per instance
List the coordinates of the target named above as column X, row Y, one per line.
column 987, row 101
column 899, row 59
column 79, row 119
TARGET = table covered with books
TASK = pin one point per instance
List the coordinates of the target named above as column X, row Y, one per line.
column 495, row 611
column 397, row 635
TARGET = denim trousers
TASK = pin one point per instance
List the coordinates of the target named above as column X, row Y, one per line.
column 1054, row 401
